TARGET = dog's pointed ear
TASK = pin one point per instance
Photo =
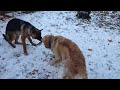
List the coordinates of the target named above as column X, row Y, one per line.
column 41, row 29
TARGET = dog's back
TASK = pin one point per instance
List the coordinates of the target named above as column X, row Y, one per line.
column 15, row 25
column 76, row 64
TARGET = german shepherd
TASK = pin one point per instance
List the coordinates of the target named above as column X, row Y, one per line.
column 17, row 27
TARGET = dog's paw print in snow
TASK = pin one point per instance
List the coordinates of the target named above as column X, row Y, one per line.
column 0, row 44
column 88, row 55
column 105, row 55
column 44, row 53
column 47, row 54
column 32, row 74
column 53, row 25
column 3, row 58
column 69, row 19
column 16, row 55
column 118, row 55
column 48, row 30
column 35, row 73
column 2, row 70
column 118, row 42
column 42, row 76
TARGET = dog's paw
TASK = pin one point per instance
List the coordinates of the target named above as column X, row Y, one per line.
column 54, row 63
column 34, row 44
column 26, row 54
column 51, row 62
column 13, row 46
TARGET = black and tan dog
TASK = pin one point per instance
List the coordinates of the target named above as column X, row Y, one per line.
column 17, row 27
column 69, row 53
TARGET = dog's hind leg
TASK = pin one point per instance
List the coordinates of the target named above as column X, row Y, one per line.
column 10, row 38
column 16, row 40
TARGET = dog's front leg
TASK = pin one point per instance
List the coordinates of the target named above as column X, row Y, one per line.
column 30, row 40
column 24, row 45
column 57, row 59
column 65, row 73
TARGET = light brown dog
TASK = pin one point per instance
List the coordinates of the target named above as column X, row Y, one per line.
column 66, row 50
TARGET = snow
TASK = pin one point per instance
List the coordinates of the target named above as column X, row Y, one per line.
column 100, row 46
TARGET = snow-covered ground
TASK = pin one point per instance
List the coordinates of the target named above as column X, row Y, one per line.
column 100, row 46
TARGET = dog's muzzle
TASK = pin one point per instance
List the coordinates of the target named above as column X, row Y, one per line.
column 39, row 38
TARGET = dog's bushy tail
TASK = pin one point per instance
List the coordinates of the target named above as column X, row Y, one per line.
column 4, row 37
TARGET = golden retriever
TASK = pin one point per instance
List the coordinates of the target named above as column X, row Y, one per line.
column 67, row 51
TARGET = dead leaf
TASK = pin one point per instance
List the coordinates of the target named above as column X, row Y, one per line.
column 89, row 49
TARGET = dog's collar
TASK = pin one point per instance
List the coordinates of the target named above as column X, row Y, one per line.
column 49, row 43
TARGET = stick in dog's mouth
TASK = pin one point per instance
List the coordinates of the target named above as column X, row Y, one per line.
column 39, row 43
